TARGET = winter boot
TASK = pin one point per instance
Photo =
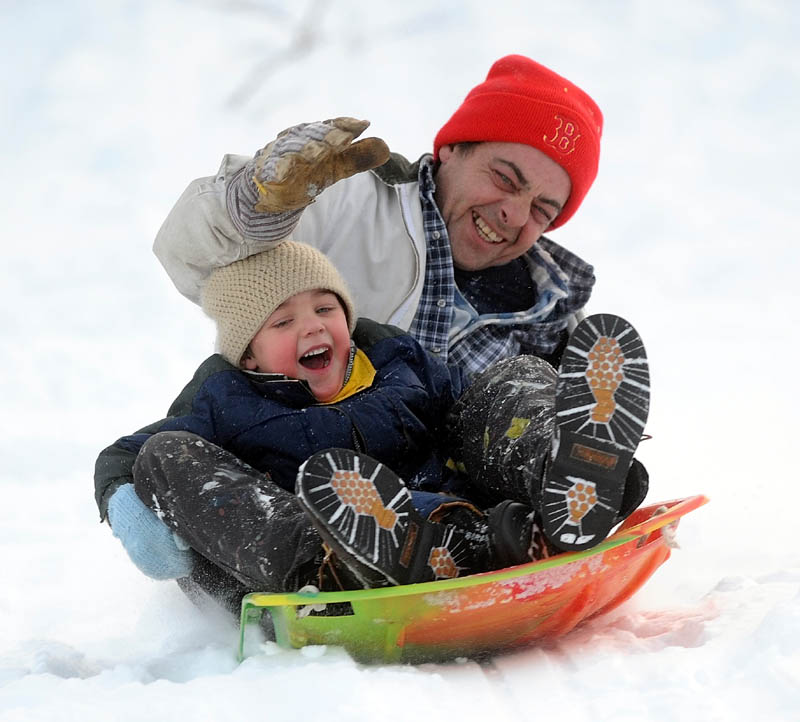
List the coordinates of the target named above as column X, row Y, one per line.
column 510, row 524
column 637, row 484
column 506, row 529
column 364, row 512
column 516, row 535
column 602, row 402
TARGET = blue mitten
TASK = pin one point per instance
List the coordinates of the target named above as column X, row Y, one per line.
column 150, row 543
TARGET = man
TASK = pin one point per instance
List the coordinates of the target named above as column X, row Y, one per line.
column 449, row 248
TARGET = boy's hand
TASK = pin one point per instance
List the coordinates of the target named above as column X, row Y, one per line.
column 307, row 158
column 150, row 543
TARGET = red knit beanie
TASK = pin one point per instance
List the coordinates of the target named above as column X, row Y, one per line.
column 521, row 101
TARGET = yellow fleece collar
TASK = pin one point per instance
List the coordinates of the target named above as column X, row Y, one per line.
column 361, row 377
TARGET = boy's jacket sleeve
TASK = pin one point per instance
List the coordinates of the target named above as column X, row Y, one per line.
column 114, row 465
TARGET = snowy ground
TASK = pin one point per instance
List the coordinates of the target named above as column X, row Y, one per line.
column 111, row 107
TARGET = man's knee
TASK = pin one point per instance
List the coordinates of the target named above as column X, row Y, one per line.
column 527, row 375
column 523, row 368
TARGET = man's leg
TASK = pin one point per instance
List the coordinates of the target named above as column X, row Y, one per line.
column 502, row 429
column 228, row 512
column 564, row 442
column 602, row 404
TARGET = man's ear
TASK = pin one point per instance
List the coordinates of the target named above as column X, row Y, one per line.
column 445, row 153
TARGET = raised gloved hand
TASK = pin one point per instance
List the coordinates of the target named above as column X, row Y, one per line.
column 151, row 544
column 305, row 159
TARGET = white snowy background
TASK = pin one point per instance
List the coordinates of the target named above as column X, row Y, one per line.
column 109, row 107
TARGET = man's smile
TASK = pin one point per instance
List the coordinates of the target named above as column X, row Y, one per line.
column 484, row 230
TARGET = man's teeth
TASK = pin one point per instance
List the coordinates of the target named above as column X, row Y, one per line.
column 484, row 230
column 315, row 352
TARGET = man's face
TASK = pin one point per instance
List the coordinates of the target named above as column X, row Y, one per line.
column 496, row 200
column 307, row 338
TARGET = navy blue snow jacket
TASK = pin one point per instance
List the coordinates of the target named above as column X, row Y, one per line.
column 274, row 426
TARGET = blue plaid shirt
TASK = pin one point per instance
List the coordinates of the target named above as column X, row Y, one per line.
column 449, row 326
column 431, row 324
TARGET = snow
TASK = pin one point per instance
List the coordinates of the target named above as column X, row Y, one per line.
column 111, row 107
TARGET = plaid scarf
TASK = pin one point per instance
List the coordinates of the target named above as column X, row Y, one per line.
column 448, row 325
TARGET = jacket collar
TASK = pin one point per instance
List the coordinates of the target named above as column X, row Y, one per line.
column 398, row 170
column 296, row 393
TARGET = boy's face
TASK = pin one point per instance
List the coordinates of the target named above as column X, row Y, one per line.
column 306, row 338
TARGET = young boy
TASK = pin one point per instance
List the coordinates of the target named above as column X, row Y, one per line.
column 298, row 440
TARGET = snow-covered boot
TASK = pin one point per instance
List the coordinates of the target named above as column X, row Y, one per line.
column 365, row 514
column 601, row 406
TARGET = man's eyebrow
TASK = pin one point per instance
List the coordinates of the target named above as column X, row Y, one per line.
column 523, row 181
column 550, row 202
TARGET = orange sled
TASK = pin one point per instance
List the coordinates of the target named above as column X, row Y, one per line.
column 482, row 613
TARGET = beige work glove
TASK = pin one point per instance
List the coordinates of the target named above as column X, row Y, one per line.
column 305, row 159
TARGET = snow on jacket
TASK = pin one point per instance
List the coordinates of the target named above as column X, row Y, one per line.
column 275, row 426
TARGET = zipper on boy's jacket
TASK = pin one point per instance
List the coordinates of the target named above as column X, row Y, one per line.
column 359, row 443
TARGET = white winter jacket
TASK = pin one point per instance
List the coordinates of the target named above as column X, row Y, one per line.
column 370, row 226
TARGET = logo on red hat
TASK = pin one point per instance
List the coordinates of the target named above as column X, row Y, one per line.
column 565, row 135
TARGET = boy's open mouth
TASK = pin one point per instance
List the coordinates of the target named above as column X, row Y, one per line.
column 316, row 358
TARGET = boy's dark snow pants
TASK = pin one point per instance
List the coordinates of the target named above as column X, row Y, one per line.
column 227, row 511
column 250, row 534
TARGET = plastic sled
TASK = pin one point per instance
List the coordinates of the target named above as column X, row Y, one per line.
column 479, row 614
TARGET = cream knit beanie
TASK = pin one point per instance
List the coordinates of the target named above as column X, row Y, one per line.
column 240, row 297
